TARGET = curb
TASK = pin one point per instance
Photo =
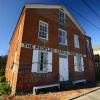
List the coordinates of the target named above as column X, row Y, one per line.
column 84, row 94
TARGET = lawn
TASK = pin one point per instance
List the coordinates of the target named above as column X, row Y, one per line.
column 4, row 87
column 61, row 95
column 64, row 95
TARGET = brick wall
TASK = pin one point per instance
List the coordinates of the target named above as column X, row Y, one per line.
column 29, row 21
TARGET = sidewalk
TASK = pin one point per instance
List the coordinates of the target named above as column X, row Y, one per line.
column 91, row 96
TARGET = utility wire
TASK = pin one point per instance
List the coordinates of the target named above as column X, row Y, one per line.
column 91, row 8
column 86, row 19
column 92, row 2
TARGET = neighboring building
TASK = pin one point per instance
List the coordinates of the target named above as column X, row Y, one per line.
column 96, row 50
column 47, row 47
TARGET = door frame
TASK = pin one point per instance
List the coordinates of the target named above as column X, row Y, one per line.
column 61, row 71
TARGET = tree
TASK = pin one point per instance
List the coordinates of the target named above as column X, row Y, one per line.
column 3, row 61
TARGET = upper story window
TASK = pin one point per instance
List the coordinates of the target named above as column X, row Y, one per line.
column 43, row 30
column 76, row 41
column 62, row 37
column 88, row 45
column 61, row 16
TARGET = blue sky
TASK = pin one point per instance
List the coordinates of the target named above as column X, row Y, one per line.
column 10, row 11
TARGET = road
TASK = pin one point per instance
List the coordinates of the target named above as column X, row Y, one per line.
column 91, row 96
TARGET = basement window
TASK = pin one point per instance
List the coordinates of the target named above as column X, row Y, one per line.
column 61, row 16
column 62, row 37
column 43, row 30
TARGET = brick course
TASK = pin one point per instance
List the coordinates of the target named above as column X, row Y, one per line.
column 29, row 22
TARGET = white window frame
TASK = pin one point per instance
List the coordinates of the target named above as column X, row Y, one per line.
column 40, row 21
column 76, row 41
column 88, row 45
column 60, row 10
column 46, row 64
column 63, row 37
column 79, row 66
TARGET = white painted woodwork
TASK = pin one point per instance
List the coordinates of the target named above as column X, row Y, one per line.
column 35, row 61
column 49, row 62
column 63, row 68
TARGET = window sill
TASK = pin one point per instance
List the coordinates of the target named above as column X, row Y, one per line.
column 79, row 71
column 42, row 72
column 77, row 47
column 44, row 39
column 63, row 44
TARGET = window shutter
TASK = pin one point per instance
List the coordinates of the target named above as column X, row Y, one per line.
column 78, row 42
column 35, row 61
column 82, row 63
column 49, row 62
column 75, row 41
column 75, row 63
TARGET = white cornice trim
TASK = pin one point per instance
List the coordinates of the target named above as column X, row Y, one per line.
column 42, row 6
column 46, row 6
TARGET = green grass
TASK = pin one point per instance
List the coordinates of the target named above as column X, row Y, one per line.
column 0, row 78
column 4, row 87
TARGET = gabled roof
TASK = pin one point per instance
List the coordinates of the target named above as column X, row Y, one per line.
column 48, row 6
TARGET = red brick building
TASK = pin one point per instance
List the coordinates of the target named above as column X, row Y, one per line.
column 48, row 46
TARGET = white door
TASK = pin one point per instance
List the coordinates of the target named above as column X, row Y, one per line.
column 63, row 68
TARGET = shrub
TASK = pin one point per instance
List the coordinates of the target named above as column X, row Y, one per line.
column 7, row 89
column 1, row 73
column 3, row 79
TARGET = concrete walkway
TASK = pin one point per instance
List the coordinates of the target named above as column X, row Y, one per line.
column 91, row 96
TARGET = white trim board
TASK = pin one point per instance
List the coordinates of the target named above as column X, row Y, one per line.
column 79, row 81
column 35, row 88
column 48, row 49
column 47, row 6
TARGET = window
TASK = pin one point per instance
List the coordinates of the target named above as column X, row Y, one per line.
column 62, row 37
column 78, row 63
column 88, row 45
column 43, row 61
column 76, row 41
column 43, row 30
column 61, row 16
